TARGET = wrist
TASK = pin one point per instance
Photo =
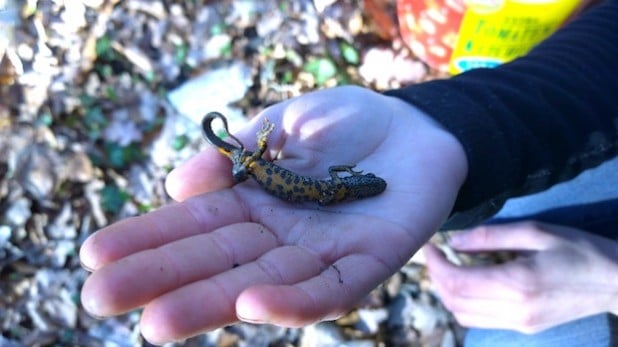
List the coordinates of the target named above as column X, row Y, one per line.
column 449, row 163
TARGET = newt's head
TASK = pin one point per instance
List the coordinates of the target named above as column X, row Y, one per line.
column 242, row 160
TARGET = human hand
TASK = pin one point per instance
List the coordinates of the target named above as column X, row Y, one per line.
column 560, row 274
column 225, row 253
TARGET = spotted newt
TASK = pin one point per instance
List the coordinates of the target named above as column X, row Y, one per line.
column 284, row 183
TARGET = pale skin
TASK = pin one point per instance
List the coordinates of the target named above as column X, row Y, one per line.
column 560, row 274
column 226, row 253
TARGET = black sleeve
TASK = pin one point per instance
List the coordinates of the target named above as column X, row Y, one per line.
column 536, row 121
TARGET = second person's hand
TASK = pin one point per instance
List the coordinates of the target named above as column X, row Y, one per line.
column 560, row 274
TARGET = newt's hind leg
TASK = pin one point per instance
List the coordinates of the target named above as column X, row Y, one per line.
column 333, row 170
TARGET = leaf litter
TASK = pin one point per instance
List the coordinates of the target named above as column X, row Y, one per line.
column 99, row 99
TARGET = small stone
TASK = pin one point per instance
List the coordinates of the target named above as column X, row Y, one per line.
column 212, row 91
column 270, row 24
column 321, row 5
column 61, row 251
column 93, row 196
column 115, row 332
column 370, row 320
column 36, row 171
column 321, row 334
column 426, row 317
column 152, row 8
column 61, row 309
column 122, row 129
column 79, row 167
column 63, row 226
column 216, row 46
column 19, row 212
column 5, row 235
column 142, row 184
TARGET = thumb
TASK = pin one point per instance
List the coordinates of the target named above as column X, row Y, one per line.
column 519, row 236
column 205, row 172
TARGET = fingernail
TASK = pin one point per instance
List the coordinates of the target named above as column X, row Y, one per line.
column 91, row 307
column 85, row 267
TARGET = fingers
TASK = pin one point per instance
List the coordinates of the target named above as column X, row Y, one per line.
column 135, row 280
column 288, row 286
column 476, row 296
column 205, row 172
column 507, row 296
column 527, row 235
column 528, row 294
column 517, row 319
column 173, row 222
column 509, row 281
column 326, row 296
column 210, row 303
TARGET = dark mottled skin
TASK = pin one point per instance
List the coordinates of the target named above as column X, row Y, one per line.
column 284, row 183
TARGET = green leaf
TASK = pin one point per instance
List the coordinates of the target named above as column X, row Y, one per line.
column 288, row 77
column 105, row 70
column 265, row 50
column 103, row 47
column 349, row 53
column 322, row 69
column 111, row 93
column 95, row 121
column 217, row 29
column 46, row 119
column 145, row 207
column 150, row 76
column 180, row 142
column 113, row 198
column 182, row 50
column 226, row 50
column 118, row 156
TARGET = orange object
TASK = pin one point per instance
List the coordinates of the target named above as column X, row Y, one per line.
column 459, row 35
column 430, row 28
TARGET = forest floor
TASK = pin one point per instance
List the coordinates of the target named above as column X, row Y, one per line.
column 98, row 103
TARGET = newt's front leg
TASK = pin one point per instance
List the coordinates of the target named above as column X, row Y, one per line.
column 262, row 138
